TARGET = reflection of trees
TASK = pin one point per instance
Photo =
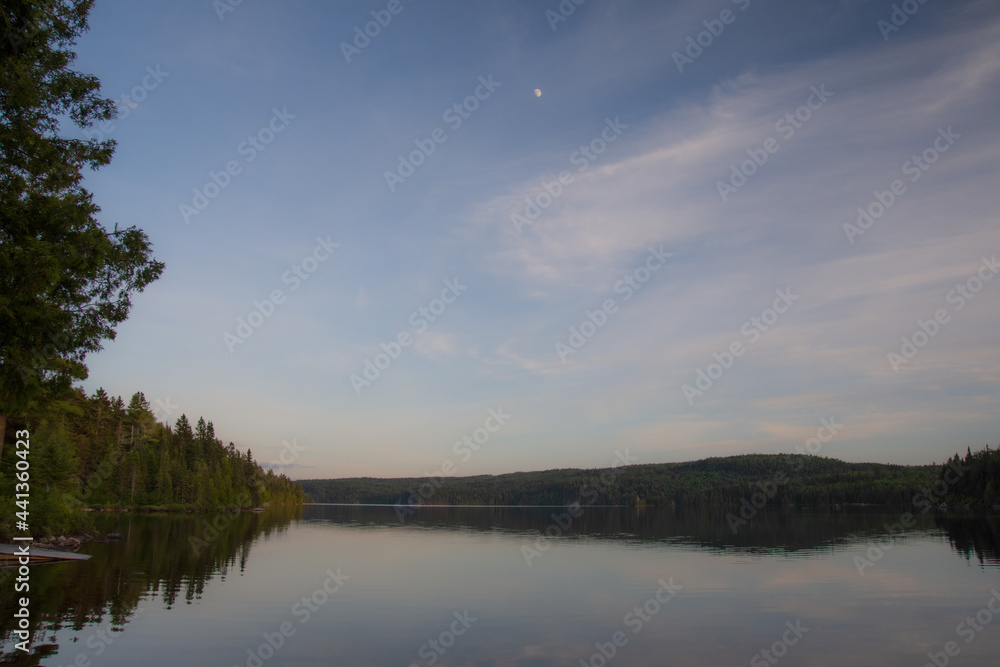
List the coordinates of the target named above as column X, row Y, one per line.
column 973, row 535
column 778, row 530
column 156, row 556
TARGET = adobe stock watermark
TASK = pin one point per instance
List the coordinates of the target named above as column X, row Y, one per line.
column 779, row 649
column 596, row 319
column 433, row 649
column 581, row 158
column 635, row 621
column 223, row 7
column 249, row 149
column 826, row 432
column 263, row 309
column 210, row 532
column 590, row 492
column 898, row 17
column 566, row 9
column 753, row 329
column 465, row 447
column 767, row 490
column 128, row 101
column 420, row 320
column 914, row 168
column 164, row 410
column 786, row 127
column 969, row 628
column 714, row 28
column 289, row 454
column 927, row 330
column 877, row 547
column 372, row 29
column 97, row 641
column 303, row 611
column 454, row 116
column 925, row 500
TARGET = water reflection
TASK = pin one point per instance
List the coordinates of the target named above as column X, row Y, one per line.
column 408, row 577
column 782, row 531
column 169, row 555
column 970, row 535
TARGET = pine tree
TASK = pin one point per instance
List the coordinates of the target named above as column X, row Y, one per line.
column 65, row 281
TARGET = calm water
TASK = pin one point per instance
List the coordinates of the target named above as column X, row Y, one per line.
column 351, row 586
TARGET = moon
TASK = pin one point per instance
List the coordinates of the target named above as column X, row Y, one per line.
column 538, row 93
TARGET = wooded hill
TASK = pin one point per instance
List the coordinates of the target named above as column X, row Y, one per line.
column 787, row 479
column 94, row 451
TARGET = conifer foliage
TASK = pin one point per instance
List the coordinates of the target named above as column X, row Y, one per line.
column 973, row 480
column 96, row 451
column 66, row 281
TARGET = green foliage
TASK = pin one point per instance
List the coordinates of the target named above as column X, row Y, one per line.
column 973, row 480
column 65, row 281
column 811, row 480
column 92, row 451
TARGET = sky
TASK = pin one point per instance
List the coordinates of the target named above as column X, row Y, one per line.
column 528, row 235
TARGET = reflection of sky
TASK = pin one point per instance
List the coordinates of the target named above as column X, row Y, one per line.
column 656, row 184
column 406, row 583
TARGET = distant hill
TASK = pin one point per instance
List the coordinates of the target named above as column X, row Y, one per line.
column 777, row 479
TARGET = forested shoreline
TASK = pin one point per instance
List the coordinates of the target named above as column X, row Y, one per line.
column 973, row 480
column 783, row 479
column 97, row 452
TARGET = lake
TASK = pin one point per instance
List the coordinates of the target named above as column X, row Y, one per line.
column 354, row 585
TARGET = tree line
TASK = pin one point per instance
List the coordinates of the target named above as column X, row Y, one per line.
column 973, row 480
column 97, row 452
column 726, row 481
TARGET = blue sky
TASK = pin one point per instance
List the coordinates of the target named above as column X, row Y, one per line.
column 681, row 191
